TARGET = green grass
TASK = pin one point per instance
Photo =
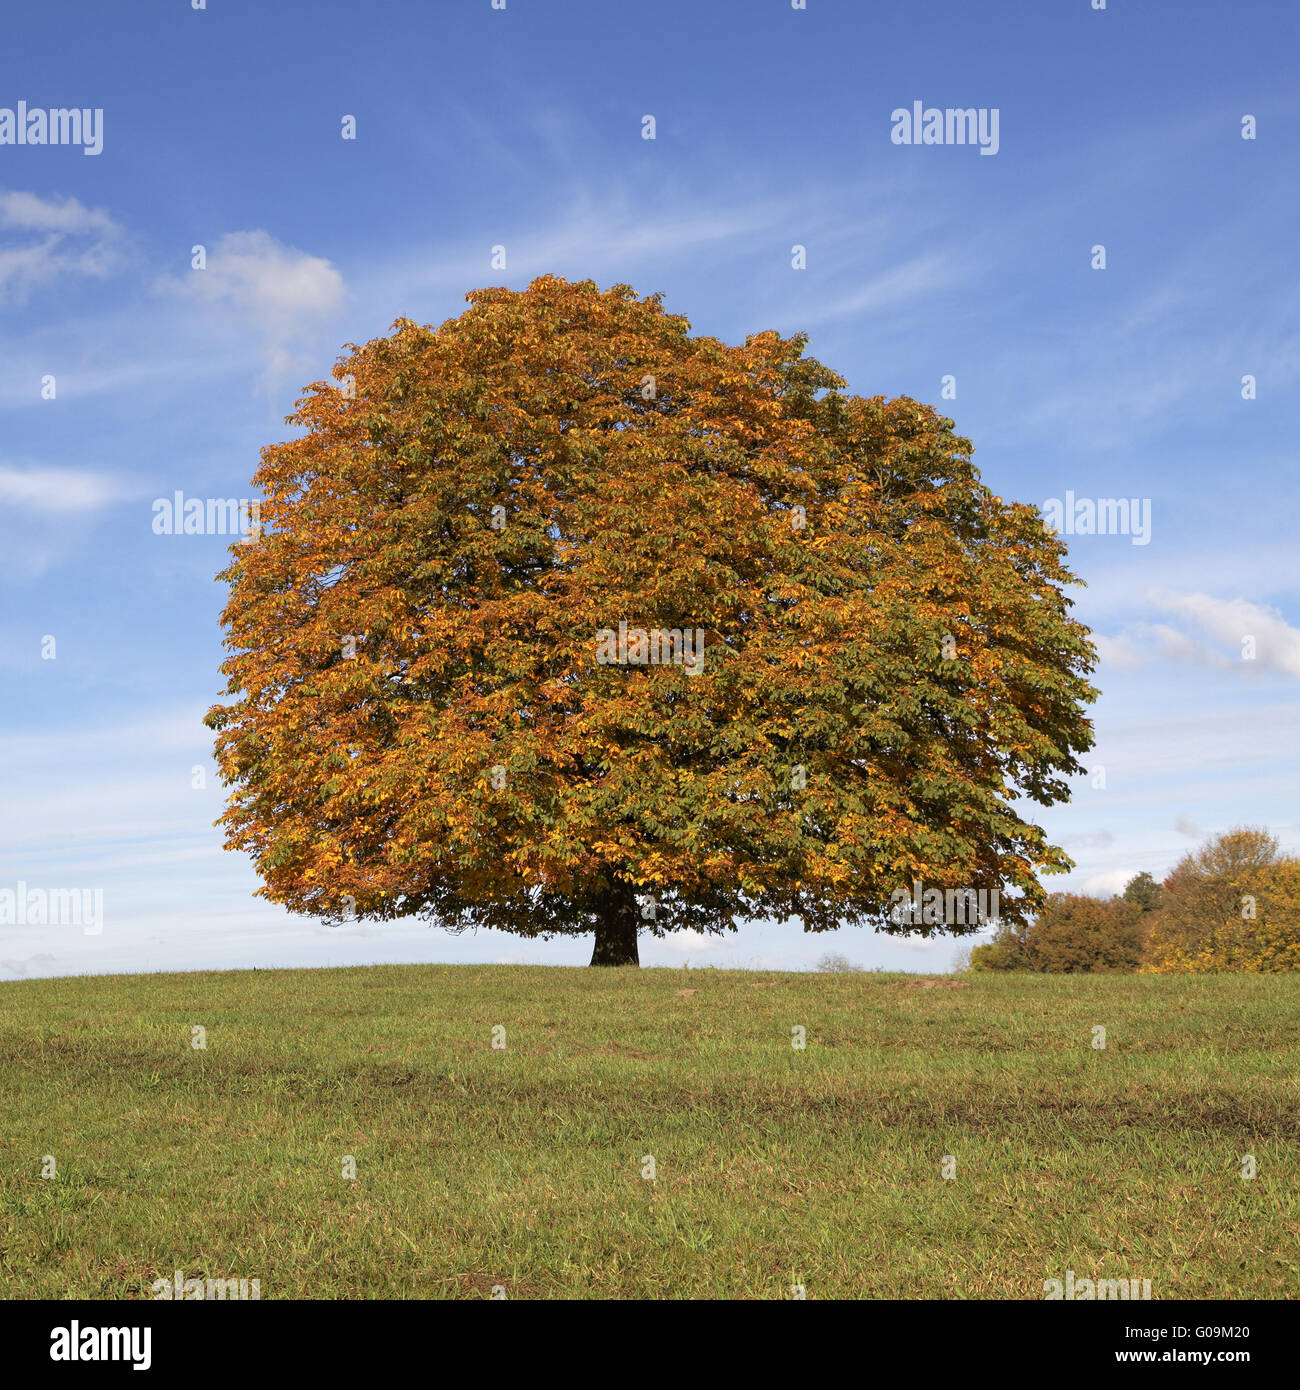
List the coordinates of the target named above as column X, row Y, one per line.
column 522, row 1168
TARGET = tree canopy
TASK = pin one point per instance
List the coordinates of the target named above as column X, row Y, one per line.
column 1143, row 892
column 1232, row 905
column 430, row 712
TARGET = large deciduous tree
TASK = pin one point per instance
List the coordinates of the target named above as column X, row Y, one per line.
column 428, row 713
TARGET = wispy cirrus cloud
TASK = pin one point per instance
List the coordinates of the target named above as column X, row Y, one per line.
column 891, row 289
column 42, row 239
column 45, row 512
column 58, row 490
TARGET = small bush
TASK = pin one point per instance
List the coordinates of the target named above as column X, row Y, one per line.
column 836, row 964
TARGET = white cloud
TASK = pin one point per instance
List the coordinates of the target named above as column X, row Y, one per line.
column 1231, row 621
column 1108, row 883
column 688, row 940
column 276, row 284
column 1123, row 652
column 1144, row 644
column 283, row 293
column 30, row 212
column 1266, row 569
column 56, row 489
column 56, row 236
column 1226, row 621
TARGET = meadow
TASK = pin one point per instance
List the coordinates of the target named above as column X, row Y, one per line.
column 525, row 1168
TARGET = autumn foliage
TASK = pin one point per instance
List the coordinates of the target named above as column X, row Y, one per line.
column 1232, row 906
column 1071, row 934
column 418, row 722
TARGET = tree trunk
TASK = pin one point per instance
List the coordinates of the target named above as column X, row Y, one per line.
column 616, row 928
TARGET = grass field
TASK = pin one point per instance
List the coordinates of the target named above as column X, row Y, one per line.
column 522, row 1167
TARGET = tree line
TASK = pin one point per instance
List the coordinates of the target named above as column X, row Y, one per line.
column 1231, row 906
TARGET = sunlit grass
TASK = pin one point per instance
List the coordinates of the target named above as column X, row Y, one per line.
column 522, row 1168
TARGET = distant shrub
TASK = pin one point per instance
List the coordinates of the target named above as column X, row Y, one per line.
column 836, row 964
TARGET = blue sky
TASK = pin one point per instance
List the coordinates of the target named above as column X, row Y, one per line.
column 523, row 128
